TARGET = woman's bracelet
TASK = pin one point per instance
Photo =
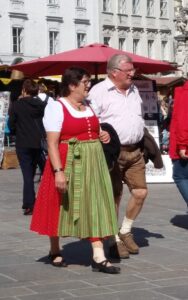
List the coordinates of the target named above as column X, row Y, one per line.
column 58, row 170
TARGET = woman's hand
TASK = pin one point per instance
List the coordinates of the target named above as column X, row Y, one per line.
column 61, row 182
column 104, row 137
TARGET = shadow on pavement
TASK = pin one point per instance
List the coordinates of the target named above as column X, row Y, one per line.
column 142, row 235
column 79, row 253
column 180, row 221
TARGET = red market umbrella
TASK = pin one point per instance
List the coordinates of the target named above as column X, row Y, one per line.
column 92, row 57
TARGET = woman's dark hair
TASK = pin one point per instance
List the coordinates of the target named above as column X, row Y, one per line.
column 30, row 87
column 72, row 76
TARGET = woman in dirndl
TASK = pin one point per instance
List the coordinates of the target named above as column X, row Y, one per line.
column 75, row 197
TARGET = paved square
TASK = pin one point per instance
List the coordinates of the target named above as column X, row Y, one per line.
column 159, row 272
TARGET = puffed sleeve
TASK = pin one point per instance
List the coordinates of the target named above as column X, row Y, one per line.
column 53, row 116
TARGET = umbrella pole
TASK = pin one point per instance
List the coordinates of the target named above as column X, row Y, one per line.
column 96, row 72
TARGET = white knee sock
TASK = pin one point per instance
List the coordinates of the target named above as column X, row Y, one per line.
column 98, row 254
column 117, row 239
column 126, row 225
column 113, row 239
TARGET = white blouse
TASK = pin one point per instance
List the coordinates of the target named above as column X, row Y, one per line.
column 54, row 117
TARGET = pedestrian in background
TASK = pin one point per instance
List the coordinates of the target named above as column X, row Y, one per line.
column 43, row 93
column 179, row 140
column 116, row 101
column 164, row 125
column 25, row 114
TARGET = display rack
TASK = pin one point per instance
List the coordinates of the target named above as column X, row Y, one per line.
column 150, row 108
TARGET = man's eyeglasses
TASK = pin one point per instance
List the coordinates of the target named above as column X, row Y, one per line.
column 127, row 71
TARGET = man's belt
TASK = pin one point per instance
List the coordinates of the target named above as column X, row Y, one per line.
column 131, row 147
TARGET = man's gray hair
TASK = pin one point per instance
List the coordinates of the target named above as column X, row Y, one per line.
column 115, row 61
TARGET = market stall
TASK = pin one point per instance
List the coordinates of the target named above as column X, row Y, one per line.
column 94, row 58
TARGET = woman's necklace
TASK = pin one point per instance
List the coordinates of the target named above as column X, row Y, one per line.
column 77, row 106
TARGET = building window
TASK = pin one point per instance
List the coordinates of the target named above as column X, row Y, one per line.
column 17, row 35
column 53, row 41
column 107, row 40
column 21, row 2
column 150, row 48
column 53, row 2
column 80, row 3
column 135, row 46
column 163, row 8
column 81, row 39
column 122, row 43
column 136, row 7
column 150, row 8
column 107, row 5
column 164, row 50
column 122, row 6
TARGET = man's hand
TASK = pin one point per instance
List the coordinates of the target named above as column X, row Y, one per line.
column 104, row 137
column 183, row 154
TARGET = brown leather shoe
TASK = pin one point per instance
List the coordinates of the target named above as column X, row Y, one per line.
column 118, row 250
column 129, row 242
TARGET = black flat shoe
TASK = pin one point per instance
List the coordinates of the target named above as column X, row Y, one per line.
column 28, row 211
column 58, row 264
column 102, row 267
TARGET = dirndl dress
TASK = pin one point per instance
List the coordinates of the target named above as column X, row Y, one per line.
column 87, row 209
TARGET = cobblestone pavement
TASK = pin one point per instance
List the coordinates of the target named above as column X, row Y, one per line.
column 159, row 272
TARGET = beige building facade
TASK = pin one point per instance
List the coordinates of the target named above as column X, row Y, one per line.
column 181, row 36
column 37, row 28
column 142, row 27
